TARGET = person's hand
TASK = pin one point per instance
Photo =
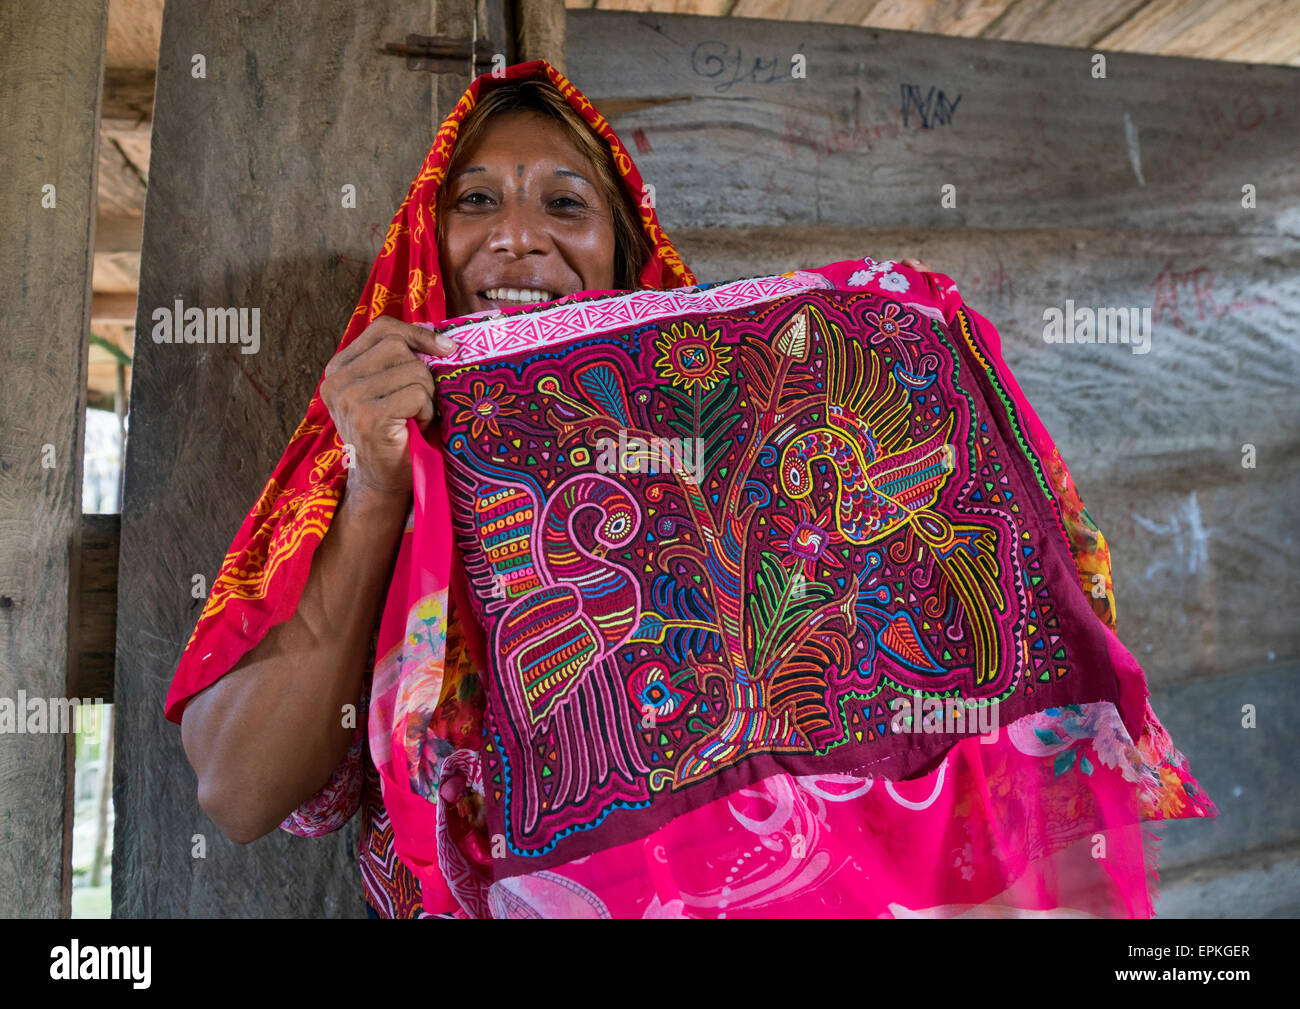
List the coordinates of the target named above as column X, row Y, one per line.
column 371, row 388
column 916, row 265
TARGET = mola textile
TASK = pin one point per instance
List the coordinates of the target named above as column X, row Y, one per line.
column 764, row 542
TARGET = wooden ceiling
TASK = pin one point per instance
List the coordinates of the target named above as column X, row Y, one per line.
column 1252, row 31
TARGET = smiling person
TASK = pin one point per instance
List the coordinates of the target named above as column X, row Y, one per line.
column 533, row 207
column 540, row 201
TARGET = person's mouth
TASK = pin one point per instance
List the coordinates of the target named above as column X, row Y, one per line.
column 513, row 297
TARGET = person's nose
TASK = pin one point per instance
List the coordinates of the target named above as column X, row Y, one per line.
column 520, row 230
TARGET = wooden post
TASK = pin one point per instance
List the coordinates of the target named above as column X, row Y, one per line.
column 51, row 64
column 539, row 31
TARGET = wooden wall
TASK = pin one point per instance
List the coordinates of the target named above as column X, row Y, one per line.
column 51, row 61
column 1116, row 192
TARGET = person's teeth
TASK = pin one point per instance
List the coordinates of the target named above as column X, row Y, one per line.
column 521, row 295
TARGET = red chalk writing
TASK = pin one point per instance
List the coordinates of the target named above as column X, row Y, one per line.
column 1193, row 287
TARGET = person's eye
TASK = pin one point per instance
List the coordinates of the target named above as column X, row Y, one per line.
column 567, row 203
column 475, row 200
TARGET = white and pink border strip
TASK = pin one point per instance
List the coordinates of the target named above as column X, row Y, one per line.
column 548, row 327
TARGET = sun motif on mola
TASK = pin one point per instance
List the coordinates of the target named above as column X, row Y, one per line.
column 689, row 357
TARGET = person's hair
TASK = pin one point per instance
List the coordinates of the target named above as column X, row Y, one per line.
column 631, row 246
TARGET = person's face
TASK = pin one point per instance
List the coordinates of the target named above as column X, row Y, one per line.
column 524, row 220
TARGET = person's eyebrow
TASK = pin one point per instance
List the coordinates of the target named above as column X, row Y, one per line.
column 471, row 168
column 574, row 175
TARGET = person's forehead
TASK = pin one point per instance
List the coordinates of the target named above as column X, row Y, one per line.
column 530, row 136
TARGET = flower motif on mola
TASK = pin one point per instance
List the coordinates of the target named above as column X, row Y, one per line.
column 808, row 541
column 689, row 357
column 483, row 406
column 889, row 324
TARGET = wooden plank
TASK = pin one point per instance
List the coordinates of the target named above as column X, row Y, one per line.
column 117, row 307
column 128, row 94
column 118, row 273
column 125, row 124
column 1258, row 884
column 209, row 423
column 1050, row 22
column 539, row 31
column 117, row 235
column 884, row 119
column 1205, row 559
column 956, row 17
column 707, row 8
column 1208, row 28
column 1259, row 31
column 51, row 59
column 121, row 181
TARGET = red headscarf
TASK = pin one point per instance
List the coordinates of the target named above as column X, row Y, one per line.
column 263, row 575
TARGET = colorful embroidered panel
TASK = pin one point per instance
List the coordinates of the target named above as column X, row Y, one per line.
column 800, row 534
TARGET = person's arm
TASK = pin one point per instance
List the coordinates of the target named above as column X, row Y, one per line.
column 267, row 735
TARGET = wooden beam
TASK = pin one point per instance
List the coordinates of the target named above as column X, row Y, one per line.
column 121, row 179
column 1049, row 22
column 126, row 122
column 115, row 235
column 114, row 308
column 51, row 59
column 539, row 31
column 128, row 94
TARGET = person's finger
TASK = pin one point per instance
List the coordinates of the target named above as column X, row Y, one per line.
column 426, row 342
column 368, row 337
column 387, row 353
column 382, row 384
column 412, row 401
column 443, row 345
column 386, row 328
column 420, row 339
